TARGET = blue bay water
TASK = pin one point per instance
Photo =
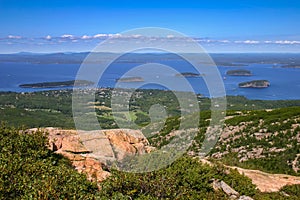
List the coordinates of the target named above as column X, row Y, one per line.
column 285, row 82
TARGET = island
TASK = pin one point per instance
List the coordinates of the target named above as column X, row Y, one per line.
column 239, row 72
column 188, row 74
column 130, row 79
column 292, row 66
column 79, row 83
column 255, row 84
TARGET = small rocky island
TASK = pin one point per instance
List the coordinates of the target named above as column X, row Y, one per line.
column 239, row 72
column 255, row 84
column 130, row 79
column 79, row 83
column 188, row 74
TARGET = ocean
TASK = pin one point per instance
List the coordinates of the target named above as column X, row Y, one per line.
column 285, row 82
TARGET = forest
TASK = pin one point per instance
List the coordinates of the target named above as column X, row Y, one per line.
column 263, row 135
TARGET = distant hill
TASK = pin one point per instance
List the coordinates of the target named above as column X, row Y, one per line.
column 234, row 59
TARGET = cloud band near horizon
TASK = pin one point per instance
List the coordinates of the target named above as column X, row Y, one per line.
column 66, row 42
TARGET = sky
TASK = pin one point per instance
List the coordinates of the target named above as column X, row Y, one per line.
column 219, row 25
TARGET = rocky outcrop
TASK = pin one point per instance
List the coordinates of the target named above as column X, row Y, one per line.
column 265, row 182
column 296, row 163
column 91, row 151
column 245, row 198
column 127, row 142
column 229, row 191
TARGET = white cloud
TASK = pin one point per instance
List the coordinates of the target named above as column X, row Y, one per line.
column 170, row 36
column 136, row 36
column 101, row 35
column 86, row 37
column 115, row 35
column 247, row 42
column 268, row 42
column 224, row 41
column 14, row 37
column 251, row 42
column 238, row 42
column 212, row 41
column 67, row 36
column 287, row 42
column 199, row 39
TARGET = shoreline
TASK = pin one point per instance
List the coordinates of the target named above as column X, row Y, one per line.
column 70, row 89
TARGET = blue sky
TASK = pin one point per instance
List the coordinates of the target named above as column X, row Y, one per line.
column 227, row 25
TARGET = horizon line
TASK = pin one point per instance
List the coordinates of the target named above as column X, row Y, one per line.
column 207, row 52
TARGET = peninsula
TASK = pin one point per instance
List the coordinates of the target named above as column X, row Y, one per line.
column 57, row 84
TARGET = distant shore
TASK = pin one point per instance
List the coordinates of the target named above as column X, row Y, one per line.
column 130, row 79
column 57, row 84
